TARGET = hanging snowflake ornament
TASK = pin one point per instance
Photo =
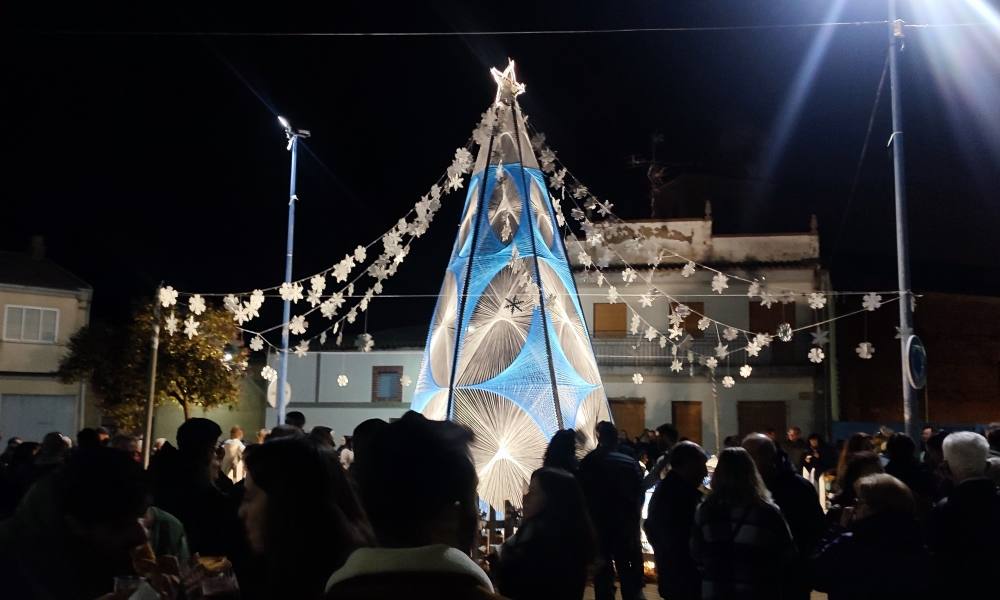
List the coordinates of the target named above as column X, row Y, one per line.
column 313, row 298
column 196, row 304
column 728, row 381
column 645, row 301
column 360, row 254
column 302, row 348
column 322, row 338
column 711, row 362
column 704, row 323
column 268, row 373
column 364, row 342
column 763, row 339
column 405, row 381
column 171, row 323
column 745, row 371
column 637, row 378
column 633, row 326
column 788, row 297
column 651, row 333
column 290, row 291
column 663, row 342
column 675, row 332
column 257, row 343
column 342, row 269
column 231, row 303
column 612, row 294
column 676, row 366
column 168, row 296
column 820, row 337
column 190, row 327
column 585, row 259
column 628, row 275
column 903, row 332
column 683, row 310
column 816, row 355
column 767, row 299
column 298, row 325
column 730, row 333
column 785, row 332
column 722, row 350
column 317, row 284
column 865, row 350
column 719, row 283
column 871, row 301
column 604, row 208
column 256, row 300
column 688, row 269
column 675, row 319
column 816, row 301
column 753, row 289
column 753, row 348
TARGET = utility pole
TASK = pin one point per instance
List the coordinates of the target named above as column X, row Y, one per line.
column 293, row 136
column 896, row 42
column 154, row 351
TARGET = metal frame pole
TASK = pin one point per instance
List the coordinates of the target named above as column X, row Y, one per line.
column 287, row 307
column 910, row 412
column 154, row 349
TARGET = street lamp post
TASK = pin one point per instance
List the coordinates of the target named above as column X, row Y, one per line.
column 910, row 412
column 293, row 136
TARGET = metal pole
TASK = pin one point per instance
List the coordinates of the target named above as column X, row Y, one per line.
column 902, row 236
column 154, row 347
column 287, row 308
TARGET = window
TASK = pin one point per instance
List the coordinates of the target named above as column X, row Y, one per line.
column 386, row 384
column 766, row 320
column 610, row 320
column 690, row 324
column 30, row 324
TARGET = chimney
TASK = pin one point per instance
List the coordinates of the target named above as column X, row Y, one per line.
column 37, row 248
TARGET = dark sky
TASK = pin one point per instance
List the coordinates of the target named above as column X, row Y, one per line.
column 149, row 157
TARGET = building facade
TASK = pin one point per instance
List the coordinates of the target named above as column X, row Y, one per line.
column 42, row 306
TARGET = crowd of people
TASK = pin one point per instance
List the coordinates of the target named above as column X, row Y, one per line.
column 393, row 513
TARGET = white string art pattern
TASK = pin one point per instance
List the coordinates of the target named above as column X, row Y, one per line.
column 508, row 353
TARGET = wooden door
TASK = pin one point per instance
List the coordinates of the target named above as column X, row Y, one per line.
column 687, row 419
column 758, row 417
column 629, row 415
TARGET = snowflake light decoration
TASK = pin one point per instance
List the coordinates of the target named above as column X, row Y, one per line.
column 298, row 325
column 290, row 292
column 719, row 283
column 683, row 310
column 763, row 339
column 168, row 296
column 711, row 362
column 190, row 327
column 688, row 269
column 753, row 348
column 268, row 373
column 637, row 378
column 405, row 381
column 745, row 371
column 676, row 366
column 604, row 208
column 816, row 301
column 256, row 300
column 231, row 303
column 171, row 323
column 364, row 342
column 302, row 348
column 612, row 294
column 257, row 343
column 785, row 332
column 871, row 301
column 704, row 323
column 633, row 326
column 360, row 254
column 628, row 275
column 865, row 350
column 753, row 289
column 820, row 337
column 342, row 269
column 675, row 319
column 342, row 380
column 767, row 299
column 722, row 350
column 675, row 332
column 645, row 301
column 728, row 381
column 816, row 355
column 585, row 259
column 730, row 333
column 197, row 304
column 651, row 333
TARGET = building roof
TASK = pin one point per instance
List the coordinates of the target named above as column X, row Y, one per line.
column 18, row 268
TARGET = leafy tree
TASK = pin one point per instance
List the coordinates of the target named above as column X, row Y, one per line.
column 190, row 371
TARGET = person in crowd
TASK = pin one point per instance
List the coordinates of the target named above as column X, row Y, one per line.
column 232, row 455
column 323, row 435
column 262, row 434
column 993, row 438
column 424, row 546
column 280, row 431
column 296, row 419
column 740, row 539
column 612, row 484
column 346, row 453
column 670, row 520
column 818, row 456
column 858, row 442
column 881, row 553
column 904, row 466
column 548, row 557
column 964, row 528
column 103, row 436
column 53, row 452
column 934, row 459
column 157, row 445
column 18, row 477
column 184, row 484
column 859, row 465
column 364, row 435
column 795, row 446
column 799, row 504
column 129, row 444
column 993, row 470
column 74, row 531
column 731, row 441
column 87, row 438
column 925, row 434
column 296, row 494
column 561, row 452
column 666, row 437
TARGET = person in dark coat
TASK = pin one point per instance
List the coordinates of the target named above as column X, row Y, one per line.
column 561, row 452
column 881, row 554
column 964, row 528
column 612, row 484
column 798, row 501
column 740, row 540
column 904, row 466
column 548, row 557
column 670, row 520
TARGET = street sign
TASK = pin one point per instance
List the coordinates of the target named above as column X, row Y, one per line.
column 915, row 361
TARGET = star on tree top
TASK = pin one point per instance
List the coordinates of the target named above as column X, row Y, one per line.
column 508, row 87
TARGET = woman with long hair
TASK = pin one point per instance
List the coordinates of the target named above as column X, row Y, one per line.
column 858, row 442
column 561, row 452
column 301, row 516
column 551, row 552
column 741, row 540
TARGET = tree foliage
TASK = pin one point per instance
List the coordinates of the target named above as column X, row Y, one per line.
column 190, row 371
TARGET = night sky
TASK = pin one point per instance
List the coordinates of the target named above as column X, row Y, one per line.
column 146, row 157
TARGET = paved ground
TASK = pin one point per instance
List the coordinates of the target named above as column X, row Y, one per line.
column 651, row 593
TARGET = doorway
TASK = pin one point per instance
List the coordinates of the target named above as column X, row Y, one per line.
column 686, row 417
column 629, row 415
column 759, row 416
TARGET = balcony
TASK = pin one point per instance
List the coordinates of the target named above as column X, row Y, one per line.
column 634, row 351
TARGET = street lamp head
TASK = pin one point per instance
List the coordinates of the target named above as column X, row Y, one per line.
column 284, row 123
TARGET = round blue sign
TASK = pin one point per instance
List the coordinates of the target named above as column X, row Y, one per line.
column 916, row 362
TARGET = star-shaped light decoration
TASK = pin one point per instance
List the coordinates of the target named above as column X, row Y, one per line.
column 820, row 337
column 645, row 300
column 753, row 348
column 763, row 339
column 651, row 333
column 508, row 87
column 675, row 319
column 676, row 366
column 675, row 332
column 302, row 348
column 633, row 327
column 753, row 289
column 171, row 323
column 612, row 294
column 722, row 350
column 190, row 327
column 865, row 350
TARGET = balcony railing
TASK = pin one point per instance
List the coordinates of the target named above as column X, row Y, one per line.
column 636, row 351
